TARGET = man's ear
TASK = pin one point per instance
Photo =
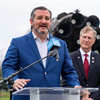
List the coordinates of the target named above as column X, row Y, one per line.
column 31, row 21
column 94, row 40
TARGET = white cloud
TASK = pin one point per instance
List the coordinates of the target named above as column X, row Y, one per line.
column 1, row 46
column 19, row 31
column 2, row 54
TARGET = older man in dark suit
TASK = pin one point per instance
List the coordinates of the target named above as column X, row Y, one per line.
column 87, row 63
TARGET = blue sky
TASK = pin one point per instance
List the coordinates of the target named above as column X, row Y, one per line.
column 15, row 15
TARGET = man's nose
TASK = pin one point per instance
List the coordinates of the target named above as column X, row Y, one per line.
column 43, row 20
column 86, row 39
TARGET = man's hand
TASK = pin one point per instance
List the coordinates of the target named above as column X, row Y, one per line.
column 78, row 86
column 85, row 94
column 20, row 83
column 85, row 97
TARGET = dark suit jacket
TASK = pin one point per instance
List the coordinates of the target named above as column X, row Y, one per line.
column 94, row 72
column 23, row 51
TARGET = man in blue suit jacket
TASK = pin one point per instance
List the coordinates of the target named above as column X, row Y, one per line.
column 31, row 47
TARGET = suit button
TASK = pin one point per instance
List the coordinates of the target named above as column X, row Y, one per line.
column 45, row 73
column 86, row 84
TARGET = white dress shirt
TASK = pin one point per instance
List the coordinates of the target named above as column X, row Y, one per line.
column 83, row 56
column 42, row 47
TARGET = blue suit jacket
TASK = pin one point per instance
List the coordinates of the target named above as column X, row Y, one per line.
column 23, row 51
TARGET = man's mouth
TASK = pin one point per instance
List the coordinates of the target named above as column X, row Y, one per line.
column 85, row 44
column 43, row 25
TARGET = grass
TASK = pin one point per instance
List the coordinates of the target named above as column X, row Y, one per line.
column 4, row 95
column 4, row 98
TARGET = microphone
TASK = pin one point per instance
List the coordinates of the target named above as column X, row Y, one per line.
column 53, row 46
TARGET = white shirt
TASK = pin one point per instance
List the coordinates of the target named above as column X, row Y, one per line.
column 83, row 56
column 42, row 47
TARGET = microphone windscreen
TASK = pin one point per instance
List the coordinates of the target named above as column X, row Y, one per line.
column 53, row 43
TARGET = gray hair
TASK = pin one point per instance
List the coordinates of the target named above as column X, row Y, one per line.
column 88, row 28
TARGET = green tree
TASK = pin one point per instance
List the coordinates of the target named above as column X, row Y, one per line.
column 0, row 73
column 3, row 85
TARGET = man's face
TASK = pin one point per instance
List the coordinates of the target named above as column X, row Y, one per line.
column 41, row 22
column 87, row 40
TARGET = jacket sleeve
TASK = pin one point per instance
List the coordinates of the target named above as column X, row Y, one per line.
column 68, row 71
column 96, row 94
column 10, row 62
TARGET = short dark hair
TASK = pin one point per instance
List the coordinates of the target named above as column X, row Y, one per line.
column 39, row 8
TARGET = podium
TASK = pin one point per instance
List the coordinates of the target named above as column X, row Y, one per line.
column 54, row 93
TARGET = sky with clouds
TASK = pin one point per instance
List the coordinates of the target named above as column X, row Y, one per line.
column 15, row 15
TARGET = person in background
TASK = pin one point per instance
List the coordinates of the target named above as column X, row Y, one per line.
column 87, row 63
column 31, row 47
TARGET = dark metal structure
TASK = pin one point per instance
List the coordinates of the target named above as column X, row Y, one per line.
column 67, row 26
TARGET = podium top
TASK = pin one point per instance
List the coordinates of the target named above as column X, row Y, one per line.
column 54, row 90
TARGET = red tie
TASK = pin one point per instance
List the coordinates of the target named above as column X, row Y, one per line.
column 86, row 65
